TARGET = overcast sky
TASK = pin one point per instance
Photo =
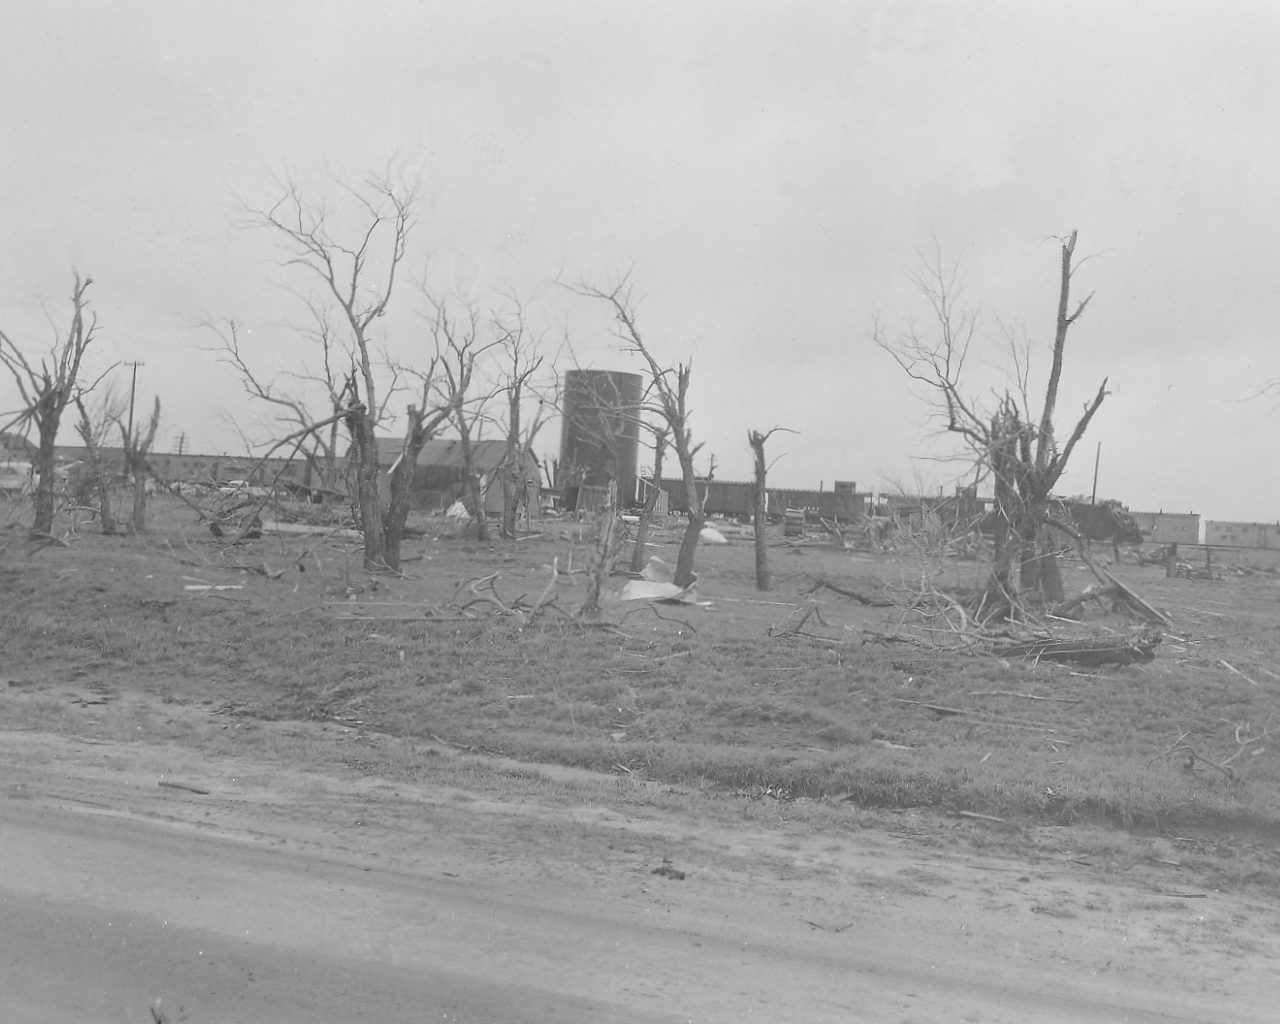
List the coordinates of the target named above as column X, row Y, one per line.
column 766, row 172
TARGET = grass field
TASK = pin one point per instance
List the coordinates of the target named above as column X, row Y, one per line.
column 719, row 698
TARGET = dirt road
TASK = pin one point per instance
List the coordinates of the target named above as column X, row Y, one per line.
column 287, row 896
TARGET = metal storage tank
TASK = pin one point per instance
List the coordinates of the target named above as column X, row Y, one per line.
column 600, row 432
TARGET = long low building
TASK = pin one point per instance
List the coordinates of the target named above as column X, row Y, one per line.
column 1168, row 527
column 1242, row 535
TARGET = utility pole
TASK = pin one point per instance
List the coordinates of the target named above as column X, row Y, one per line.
column 181, row 443
column 1093, row 498
column 133, row 388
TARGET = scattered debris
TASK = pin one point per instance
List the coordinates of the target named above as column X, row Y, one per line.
column 1024, row 696
column 666, row 593
column 484, row 591
column 1227, row 665
column 184, row 786
column 793, row 523
column 1180, row 746
column 875, row 636
column 306, row 529
column 834, row 928
column 891, row 746
column 795, row 624
column 1122, row 597
column 979, row 817
column 979, row 717
column 657, row 583
column 667, row 871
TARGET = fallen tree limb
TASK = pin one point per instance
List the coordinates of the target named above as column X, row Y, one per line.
column 1093, row 592
column 1180, row 746
column 1085, row 650
column 1232, row 668
column 1024, row 696
column 942, row 709
column 873, row 600
column 877, row 637
column 1123, row 594
column 1131, row 598
column 183, row 785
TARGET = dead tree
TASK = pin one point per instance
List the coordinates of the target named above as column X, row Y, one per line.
column 46, row 389
column 92, row 428
column 607, row 541
column 458, row 347
column 351, row 248
column 293, row 409
column 761, row 496
column 137, row 442
column 1018, row 449
column 522, row 361
column 639, row 554
column 423, row 421
column 667, row 399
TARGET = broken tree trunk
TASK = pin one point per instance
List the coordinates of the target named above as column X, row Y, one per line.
column 640, row 553
column 756, row 440
column 607, row 540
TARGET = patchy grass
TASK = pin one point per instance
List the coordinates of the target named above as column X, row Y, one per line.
column 703, row 698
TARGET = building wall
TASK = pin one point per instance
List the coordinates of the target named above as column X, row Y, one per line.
column 1169, row 527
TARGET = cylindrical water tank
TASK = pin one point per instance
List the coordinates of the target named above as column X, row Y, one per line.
column 600, row 432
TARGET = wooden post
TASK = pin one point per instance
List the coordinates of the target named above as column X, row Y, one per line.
column 1171, row 561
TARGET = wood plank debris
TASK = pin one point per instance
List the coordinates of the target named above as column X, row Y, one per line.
column 185, row 786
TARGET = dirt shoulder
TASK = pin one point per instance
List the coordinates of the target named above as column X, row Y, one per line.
column 553, row 893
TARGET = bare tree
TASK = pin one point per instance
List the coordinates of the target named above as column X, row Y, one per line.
column 93, row 426
column 352, row 250
column 1017, row 448
column 423, row 421
column 608, row 540
column 137, row 441
column 458, row 347
column 761, row 494
column 521, row 363
column 321, row 447
column 668, row 395
column 46, row 389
